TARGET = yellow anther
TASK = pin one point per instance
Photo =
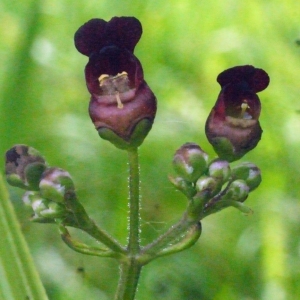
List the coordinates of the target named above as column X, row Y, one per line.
column 121, row 74
column 102, row 78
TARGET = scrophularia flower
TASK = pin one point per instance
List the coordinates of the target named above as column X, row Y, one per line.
column 122, row 106
column 233, row 127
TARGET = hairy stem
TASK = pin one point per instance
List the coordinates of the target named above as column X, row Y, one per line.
column 81, row 220
column 129, row 277
column 131, row 268
column 134, row 203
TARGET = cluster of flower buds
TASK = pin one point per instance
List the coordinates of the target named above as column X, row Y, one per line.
column 214, row 184
column 122, row 106
column 47, row 188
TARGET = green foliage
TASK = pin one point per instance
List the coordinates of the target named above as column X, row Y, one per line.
column 185, row 45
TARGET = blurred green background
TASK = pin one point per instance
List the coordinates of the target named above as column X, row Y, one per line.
column 185, row 45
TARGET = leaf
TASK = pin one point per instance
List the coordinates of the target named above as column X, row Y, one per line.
column 19, row 278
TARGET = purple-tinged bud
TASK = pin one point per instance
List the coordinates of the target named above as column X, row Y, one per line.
column 186, row 187
column 232, row 127
column 190, row 162
column 24, row 167
column 237, row 191
column 248, row 172
column 219, row 169
column 208, row 185
column 56, row 184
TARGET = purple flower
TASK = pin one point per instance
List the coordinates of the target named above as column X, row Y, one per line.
column 232, row 126
column 122, row 106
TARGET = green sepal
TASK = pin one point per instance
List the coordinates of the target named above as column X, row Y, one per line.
column 55, row 184
column 33, row 174
column 16, row 180
column 136, row 138
column 188, row 240
column 225, row 149
column 248, row 172
column 238, row 190
column 54, row 210
column 186, row 187
column 190, row 161
column 209, row 184
column 219, row 169
column 222, row 204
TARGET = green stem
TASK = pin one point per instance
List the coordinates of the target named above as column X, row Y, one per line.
column 85, row 249
column 19, row 278
column 129, row 277
column 177, row 232
column 131, row 268
column 81, row 220
column 134, row 202
column 173, row 234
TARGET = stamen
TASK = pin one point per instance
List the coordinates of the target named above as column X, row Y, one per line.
column 114, row 85
column 244, row 107
column 102, row 79
column 121, row 74
column 120, row 104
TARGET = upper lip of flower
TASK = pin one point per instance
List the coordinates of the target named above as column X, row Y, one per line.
column 123, row 32
column 113, row 72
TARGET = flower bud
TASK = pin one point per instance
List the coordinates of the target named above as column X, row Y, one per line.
column 219, row 169
column 232, row 127
column 45, row 210
column 190, row 162
column 237, row 191
column 248, row 172
column 56, row 184
column 24, row 167
column 208, row 185
column 186, row 187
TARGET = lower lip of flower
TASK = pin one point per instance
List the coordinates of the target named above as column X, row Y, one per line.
column 115, row 89
column 115, row 98
column 237, row 122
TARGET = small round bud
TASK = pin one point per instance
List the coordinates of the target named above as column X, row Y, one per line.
column 54, row 210
column 237, row 191
column 248, row 172
column 24, row 167
column 209, row 185
column 29, row 197
column 190, row 162
column 219, row 169
column 55, row 184
column 184, row 186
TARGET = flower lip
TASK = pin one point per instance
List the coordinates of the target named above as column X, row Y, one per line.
column 248, row 76
column 123, row 32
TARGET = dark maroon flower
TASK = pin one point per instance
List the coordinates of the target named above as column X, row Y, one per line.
column 122, row 106
column 232, row 126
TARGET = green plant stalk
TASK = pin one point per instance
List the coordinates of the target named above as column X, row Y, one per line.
column 129, row 277
column 19, row 278
column 131, row 268
column 170, row 236
column 81, row 220
column 134, row 202
column 83, row 248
